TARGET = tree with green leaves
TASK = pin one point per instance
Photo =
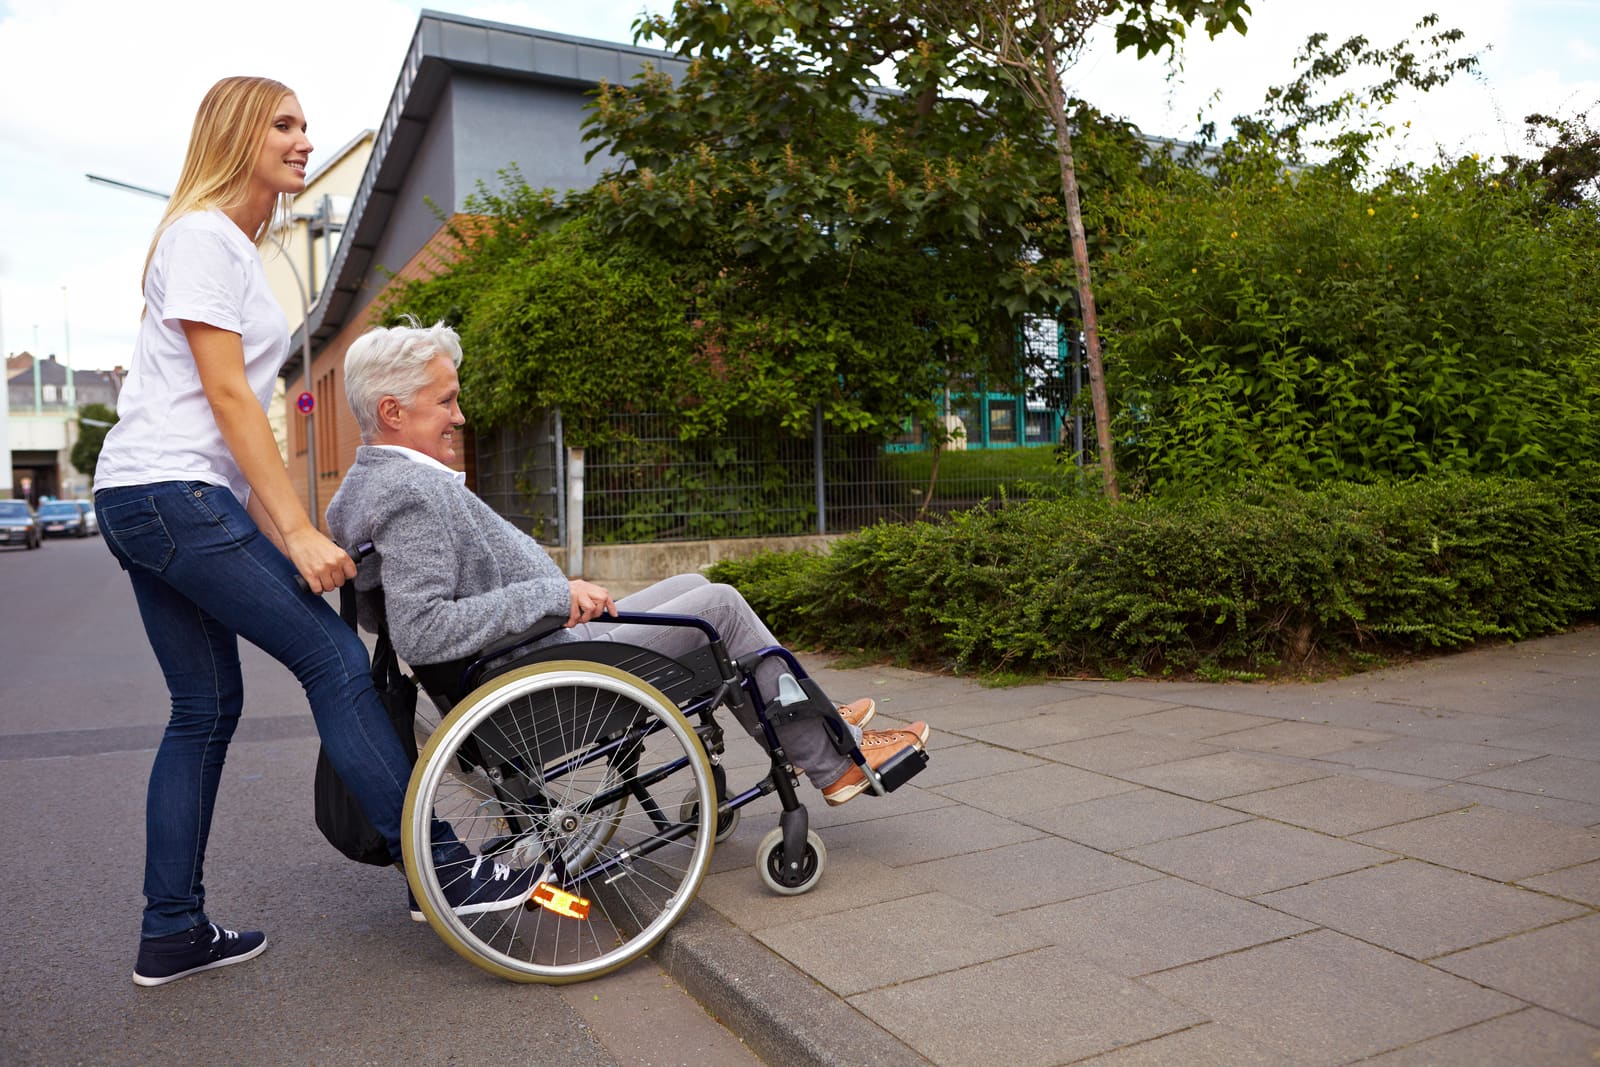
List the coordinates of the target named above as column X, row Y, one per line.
column 94, row 420
column 1032, row 41
column 783, row 142
column 1567, row 169
column 1320, row 117
column 785, row 154
column 558, row 312
column 1295, row 313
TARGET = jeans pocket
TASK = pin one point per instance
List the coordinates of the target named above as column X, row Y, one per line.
column 137, row 534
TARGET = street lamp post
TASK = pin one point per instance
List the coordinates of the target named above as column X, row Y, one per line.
column 71, row 395
column 305, row 358
column 5, row 421
column 38, row 381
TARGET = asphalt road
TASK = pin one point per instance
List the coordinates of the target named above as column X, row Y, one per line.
column 346, row 978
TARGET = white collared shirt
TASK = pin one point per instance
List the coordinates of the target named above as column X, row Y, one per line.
column 426, row 460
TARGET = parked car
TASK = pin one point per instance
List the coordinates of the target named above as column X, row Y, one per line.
column 17, row 525
column 62, row 518
column 89, row 516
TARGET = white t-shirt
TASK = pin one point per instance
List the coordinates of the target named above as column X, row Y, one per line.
column 204, row 270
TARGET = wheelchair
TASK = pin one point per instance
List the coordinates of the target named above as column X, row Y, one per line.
column 603, row 760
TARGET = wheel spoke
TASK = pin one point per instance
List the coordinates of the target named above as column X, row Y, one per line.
column 563, row 761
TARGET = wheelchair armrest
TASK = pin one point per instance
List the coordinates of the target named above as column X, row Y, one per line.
column 542, row 628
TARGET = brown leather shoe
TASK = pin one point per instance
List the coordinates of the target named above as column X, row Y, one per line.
column 858, row 712
column 879, row 746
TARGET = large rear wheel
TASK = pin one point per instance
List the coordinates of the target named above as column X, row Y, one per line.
column 560, row 764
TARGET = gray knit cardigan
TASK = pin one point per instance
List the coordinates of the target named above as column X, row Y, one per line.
column 455, row 577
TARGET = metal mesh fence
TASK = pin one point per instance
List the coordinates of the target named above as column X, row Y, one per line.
column 753, row 481
column 520, row 475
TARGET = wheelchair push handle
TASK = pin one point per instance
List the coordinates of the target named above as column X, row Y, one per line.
column 357, row 553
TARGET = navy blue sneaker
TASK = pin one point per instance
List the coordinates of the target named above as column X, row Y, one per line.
column 201, row 948
column 479, row 884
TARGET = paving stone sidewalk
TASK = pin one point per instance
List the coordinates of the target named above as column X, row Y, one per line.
column 1400, row 867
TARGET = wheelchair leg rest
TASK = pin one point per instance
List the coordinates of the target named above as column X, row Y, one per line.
column 901, row 768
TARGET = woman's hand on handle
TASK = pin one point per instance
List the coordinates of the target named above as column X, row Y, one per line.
column 323, row 564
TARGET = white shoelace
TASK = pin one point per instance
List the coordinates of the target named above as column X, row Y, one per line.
column 500, row 873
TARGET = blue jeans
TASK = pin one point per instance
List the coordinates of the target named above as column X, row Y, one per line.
column 204, row 576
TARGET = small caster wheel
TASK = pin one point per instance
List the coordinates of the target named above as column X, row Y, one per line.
column 793, row 878
column 726, row 824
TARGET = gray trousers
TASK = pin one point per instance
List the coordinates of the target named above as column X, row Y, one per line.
column 806, row 742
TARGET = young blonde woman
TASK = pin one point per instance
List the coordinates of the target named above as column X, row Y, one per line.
column 195, row 503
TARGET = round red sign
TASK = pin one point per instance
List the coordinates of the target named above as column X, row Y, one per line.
column 305, row 402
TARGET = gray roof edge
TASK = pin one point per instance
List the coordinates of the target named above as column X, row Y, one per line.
column 549, row 35
column 423, row 53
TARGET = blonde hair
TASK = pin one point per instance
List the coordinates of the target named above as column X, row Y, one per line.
column 229, row 130
column 393, row 361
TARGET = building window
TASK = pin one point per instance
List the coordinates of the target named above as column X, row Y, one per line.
column 297, row 428
column 1037, row 427
column 1003, row 422
column 909, row 437
column 327, row 428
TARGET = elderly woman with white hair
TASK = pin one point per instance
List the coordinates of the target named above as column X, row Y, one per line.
column 455, row 577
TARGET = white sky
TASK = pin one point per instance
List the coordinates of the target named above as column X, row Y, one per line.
column 110, row 88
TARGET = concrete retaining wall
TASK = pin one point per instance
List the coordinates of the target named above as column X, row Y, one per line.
column 625, row 569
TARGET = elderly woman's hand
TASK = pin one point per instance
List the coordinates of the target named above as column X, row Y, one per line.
column 589, row 602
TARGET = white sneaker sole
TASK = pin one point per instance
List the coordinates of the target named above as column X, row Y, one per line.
column 502, row 904
column 474, row 909
column 139, row 979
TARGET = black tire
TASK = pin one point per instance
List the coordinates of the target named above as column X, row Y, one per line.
column 534, row 764
column 799, row 876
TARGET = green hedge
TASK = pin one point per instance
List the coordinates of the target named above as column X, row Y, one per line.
column 1240, row 582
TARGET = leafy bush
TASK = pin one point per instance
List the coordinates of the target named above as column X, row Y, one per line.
column 91, row 436
column 1244, row 580
column 1300, row 328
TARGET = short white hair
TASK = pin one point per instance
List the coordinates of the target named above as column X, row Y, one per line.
column 393, row 361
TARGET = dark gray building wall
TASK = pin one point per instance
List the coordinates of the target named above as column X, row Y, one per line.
column 430, row 179
column 534, row 125
column 482, row 126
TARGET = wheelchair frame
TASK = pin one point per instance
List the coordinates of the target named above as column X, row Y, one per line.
column 559, row 741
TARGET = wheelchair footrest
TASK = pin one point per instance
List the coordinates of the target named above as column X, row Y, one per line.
column 900, row 769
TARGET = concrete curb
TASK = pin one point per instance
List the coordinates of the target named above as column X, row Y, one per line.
column 781, row 1013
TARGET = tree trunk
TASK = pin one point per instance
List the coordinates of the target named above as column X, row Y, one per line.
column 933, row 479
column 1080, row 259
